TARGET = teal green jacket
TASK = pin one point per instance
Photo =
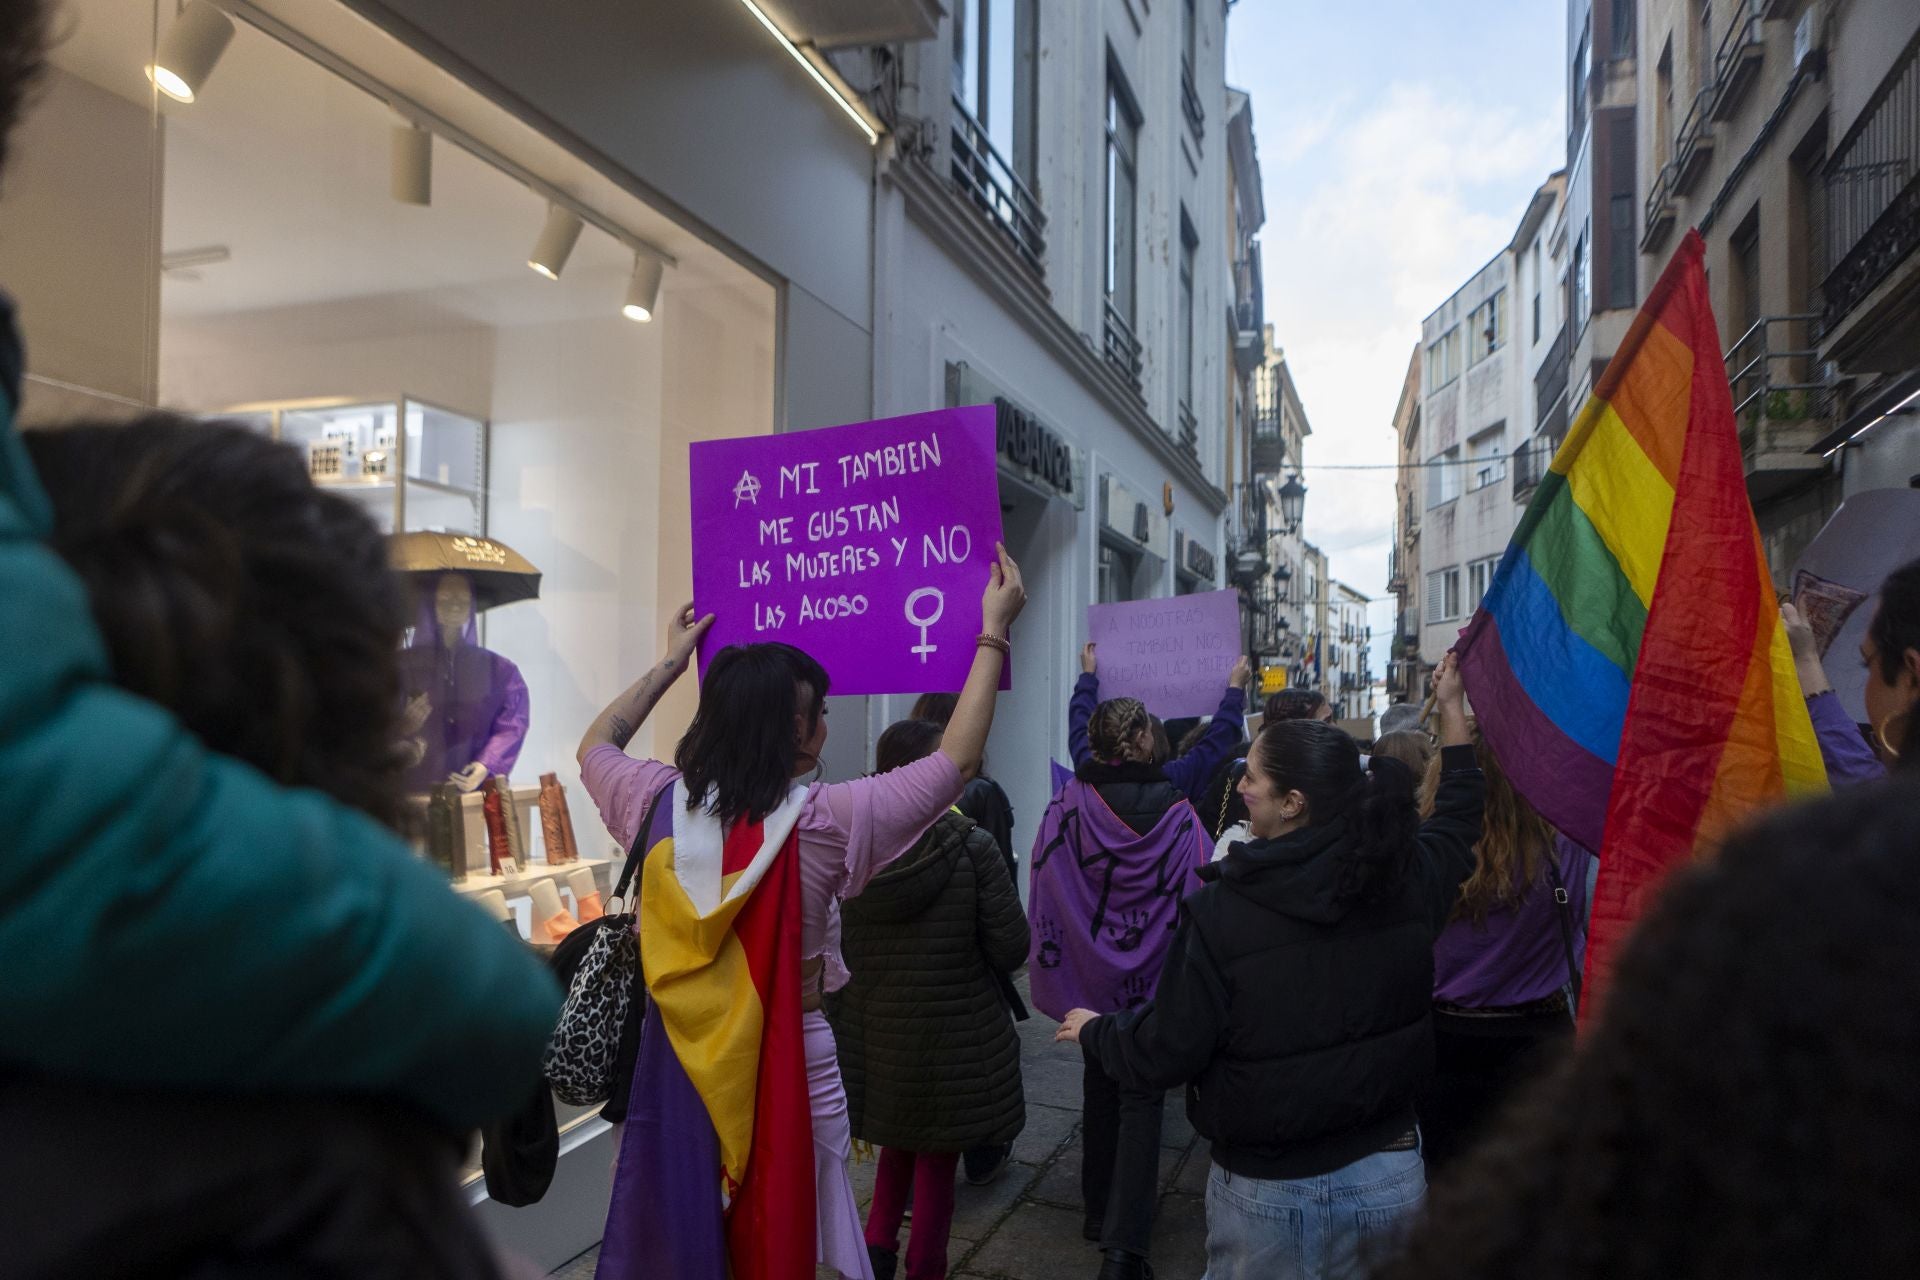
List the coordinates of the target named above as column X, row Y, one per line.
column 171, row 918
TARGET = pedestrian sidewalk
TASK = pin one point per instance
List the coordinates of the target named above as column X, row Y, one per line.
column 1026, row 1225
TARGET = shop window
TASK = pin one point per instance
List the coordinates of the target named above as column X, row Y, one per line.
column 273, row 271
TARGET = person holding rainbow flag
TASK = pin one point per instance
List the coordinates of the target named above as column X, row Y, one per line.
column 733, row 1158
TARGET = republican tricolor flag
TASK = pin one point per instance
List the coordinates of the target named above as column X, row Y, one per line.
column 715, row 1179
column 1628, row 667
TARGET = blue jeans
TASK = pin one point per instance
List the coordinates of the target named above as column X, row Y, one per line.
column 1331, row 1226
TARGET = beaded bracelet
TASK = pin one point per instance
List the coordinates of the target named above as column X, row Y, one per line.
column 994, row 642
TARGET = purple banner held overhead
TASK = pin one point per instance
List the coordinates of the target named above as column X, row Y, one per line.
column 1173, row 654
column 868, row 546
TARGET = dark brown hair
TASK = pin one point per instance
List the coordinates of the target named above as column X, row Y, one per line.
column 1113, row 734
column 255, row 607
column 1293, row 704
column 904, row 742
column 740, row 746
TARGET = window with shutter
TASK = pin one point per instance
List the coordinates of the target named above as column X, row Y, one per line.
column 1435, row 595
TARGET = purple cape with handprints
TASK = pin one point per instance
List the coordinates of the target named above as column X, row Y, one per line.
column 1105, row 901
column 868, row 546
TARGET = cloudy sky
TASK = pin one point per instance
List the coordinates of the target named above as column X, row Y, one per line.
column 1400, row 141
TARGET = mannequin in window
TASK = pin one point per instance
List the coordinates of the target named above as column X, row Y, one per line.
column 467, row 706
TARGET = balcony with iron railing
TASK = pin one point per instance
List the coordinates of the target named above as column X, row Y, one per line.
column 1189, row 432
column 1122, row 347
column 1736, row 64
column 1269, row 445
column 1530, row 463
column 1396, row 576
column 1693, row 142
column 1779, row 404
column 1249, row 313
column 1659, row 214
column 1872, row 198
column 1550, row 383
column 1410, row 516
column 987, row 182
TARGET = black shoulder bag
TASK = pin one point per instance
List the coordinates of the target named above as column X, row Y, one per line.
column 599, row 965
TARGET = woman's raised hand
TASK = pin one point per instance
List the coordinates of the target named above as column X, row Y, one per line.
column 683, row 636
column 1089, row 660
column 1005, row 596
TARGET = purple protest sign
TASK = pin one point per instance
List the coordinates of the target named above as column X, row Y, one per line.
column 1173, row 654
column 868, row 545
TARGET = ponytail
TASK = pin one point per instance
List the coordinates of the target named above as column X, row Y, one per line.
column 1385, row 823
column 1323, row 764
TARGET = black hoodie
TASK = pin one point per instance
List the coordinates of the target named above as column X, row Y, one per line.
column 1301, row 1021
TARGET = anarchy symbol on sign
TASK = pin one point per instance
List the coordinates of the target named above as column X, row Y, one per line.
column 939, row 607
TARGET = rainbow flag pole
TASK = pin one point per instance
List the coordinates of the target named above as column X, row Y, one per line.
column 1628, row 667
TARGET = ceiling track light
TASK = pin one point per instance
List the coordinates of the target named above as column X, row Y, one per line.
column 189, row 51
column 412, row 177
column 556, row 241
column 643, row 289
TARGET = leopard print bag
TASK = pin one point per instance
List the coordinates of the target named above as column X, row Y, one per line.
column 599, row 963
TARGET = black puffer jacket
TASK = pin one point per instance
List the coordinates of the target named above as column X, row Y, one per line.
column 927, row 1048
column 1299, row 1018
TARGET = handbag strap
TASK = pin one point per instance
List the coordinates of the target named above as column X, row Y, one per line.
column 638, row 852
column 1563, row 910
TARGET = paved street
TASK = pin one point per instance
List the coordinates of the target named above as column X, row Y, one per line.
column 1026, row 1226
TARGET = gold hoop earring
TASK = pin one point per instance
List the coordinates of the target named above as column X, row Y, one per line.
column 1884, row 736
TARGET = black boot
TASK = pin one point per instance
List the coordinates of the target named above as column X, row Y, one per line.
column 885, row 1261
column 1121, row 1264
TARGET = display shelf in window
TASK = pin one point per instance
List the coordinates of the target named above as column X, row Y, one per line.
column 412, row 464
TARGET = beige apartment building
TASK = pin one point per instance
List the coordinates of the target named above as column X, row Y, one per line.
column 1788, row 133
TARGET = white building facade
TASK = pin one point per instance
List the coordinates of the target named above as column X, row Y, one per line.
column 1052, row 234
column 1493, row 378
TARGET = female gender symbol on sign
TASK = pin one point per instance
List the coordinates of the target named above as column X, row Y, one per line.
column 939, row 607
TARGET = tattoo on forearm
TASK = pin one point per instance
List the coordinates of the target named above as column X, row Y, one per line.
column 621, row 733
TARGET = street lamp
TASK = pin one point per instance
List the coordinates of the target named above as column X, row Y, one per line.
column 1248, row 565
column 1293, row 501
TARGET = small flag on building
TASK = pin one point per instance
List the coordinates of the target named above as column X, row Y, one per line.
column 1628, row 667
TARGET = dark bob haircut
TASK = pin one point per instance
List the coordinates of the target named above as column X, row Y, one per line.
column 741, row 746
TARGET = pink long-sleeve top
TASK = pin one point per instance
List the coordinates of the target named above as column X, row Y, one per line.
column 848, row 830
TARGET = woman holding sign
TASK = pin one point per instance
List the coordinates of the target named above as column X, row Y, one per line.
column 742, row 866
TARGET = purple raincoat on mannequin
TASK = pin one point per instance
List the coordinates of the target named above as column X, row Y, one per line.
column 479, row 702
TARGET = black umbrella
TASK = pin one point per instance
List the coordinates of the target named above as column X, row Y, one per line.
column 500, row 574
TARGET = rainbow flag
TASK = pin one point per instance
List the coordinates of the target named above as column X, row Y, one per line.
column 727, row 1193
column 1628, row 666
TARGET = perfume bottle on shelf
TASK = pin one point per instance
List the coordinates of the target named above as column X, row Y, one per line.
column 447, row 831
